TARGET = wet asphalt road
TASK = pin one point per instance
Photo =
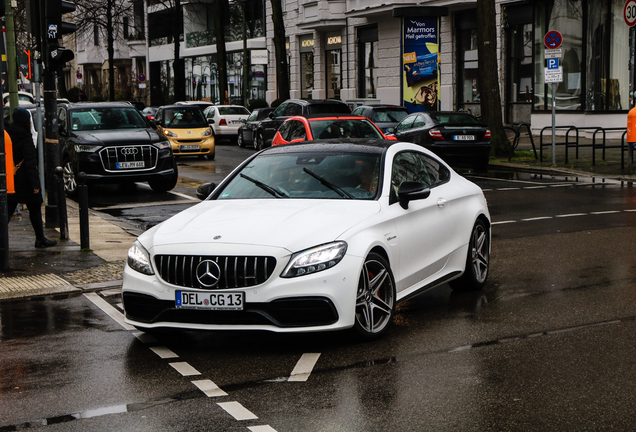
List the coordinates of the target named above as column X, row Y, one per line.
column 548, row 345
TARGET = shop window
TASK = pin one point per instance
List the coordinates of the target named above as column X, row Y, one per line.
column 306, row 74
column 334, row 73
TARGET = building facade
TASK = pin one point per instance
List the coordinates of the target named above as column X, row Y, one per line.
column 420, row 54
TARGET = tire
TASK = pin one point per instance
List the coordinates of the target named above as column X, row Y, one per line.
column 375, row 298
column 164, row 184
column 477, row 261
column 70, row 178
column 259, row 142
column 211, row 156
column 239, row 139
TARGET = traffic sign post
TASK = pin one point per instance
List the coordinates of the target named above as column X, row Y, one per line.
column 629, row 12
column 553, row 73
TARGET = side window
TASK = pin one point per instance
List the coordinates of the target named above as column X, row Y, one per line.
column 406, row 124
column 419, row 122
column 252, row 116
column 285, row 130
column 159, row 116
column 211, row 113
column 281, row 109
column 417, row 167
column 358, row 111
column 293, row 109
column 437, row 172
column 298, row 131
column 61, row 115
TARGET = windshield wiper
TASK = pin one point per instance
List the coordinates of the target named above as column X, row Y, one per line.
column 275, row 192
column 330, row 185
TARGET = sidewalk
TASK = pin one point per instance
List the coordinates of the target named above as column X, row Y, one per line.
column 65, row 268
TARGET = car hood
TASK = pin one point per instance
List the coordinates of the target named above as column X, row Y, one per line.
column 118, row 137
column 284, row 223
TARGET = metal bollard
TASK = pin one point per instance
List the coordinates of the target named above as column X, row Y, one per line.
column 61, row 202
column 82, row 191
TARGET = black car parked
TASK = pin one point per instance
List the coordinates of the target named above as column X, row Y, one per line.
column 295, row 107
column 384, row 116
column 458, row 138
column 112, row 143
column 247, row 132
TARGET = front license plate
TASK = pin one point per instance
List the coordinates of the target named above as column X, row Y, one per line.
column 209, row 301
column 189, row 147
column 127, row 165
column 464, row 137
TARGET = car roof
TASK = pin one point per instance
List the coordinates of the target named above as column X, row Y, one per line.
column 316, row 101
column 327, row 116
column 381, row 106
column 84, row 105
column 181, row 106
column 364, row 145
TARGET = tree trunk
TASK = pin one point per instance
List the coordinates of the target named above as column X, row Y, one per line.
column 222, row 8
column 282, row 79
column 179, row 63
column 488, row 76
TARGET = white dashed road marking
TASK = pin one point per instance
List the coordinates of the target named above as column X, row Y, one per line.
column 185, row 369
column 266, row 428
column 304, row 367
column 209, row 388
column 238, row 411
column 164, row 352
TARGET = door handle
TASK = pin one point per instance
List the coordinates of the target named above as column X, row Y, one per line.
column 441, row 202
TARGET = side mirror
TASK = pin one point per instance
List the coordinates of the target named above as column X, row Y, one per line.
column 411, row 191
column 205, row 190
column 390, row 137
column 210, row 121
column 271, row 115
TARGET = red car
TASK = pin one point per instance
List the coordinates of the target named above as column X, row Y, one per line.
column 319, row 126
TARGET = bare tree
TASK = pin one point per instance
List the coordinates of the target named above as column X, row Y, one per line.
column 107, row 16
column 488, row 76
column 282, row 79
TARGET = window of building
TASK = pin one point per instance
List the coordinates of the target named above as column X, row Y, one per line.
column 467, row 62
column 96, row 35
column 306, row 66
column 367, row 59
column 566, row 16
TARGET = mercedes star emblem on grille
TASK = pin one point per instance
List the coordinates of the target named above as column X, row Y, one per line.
column 129, row 151
column 208, row 273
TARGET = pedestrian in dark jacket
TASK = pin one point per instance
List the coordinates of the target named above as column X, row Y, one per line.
column 27, row 178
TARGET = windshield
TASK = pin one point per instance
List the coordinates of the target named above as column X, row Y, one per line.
column 234, row 110
column 184, row 118
column 106, row 118
column 325, row 129
column 329, row 108
column 307, row 176
column 389, row 115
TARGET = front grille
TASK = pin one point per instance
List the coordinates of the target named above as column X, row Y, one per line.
column 111, row 156
column 236, row 271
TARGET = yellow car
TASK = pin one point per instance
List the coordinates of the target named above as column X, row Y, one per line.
column 186, row 128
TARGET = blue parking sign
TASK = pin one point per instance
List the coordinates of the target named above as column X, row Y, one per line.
column 553, row 63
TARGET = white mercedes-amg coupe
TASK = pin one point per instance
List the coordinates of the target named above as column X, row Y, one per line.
column 312, row 236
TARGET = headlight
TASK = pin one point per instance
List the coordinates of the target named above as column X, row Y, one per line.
column 170, row 134
column 139, row 259
column 315, row 259
column 207, row 132
column 84, row 148
column 162, row 144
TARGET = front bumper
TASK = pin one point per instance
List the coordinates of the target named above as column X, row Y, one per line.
column 317, row 302
column 180, row 146
column 96, row 171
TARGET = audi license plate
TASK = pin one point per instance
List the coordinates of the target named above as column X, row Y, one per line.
column 464, row 137
column 128, row 165
column 210, row 301
column 190, row 147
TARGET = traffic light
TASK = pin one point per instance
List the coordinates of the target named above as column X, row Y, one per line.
column 54, row 28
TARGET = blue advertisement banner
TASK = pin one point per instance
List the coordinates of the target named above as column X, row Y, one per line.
column 420, row 63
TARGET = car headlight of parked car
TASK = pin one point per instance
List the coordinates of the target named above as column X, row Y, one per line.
column 139, row 259
column 84, row 148
column 316, row 259
column 207, row 132
column 170, row 134
column 163, row 144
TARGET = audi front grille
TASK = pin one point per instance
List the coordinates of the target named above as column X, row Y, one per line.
column 111, row 156
column 234, row 271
